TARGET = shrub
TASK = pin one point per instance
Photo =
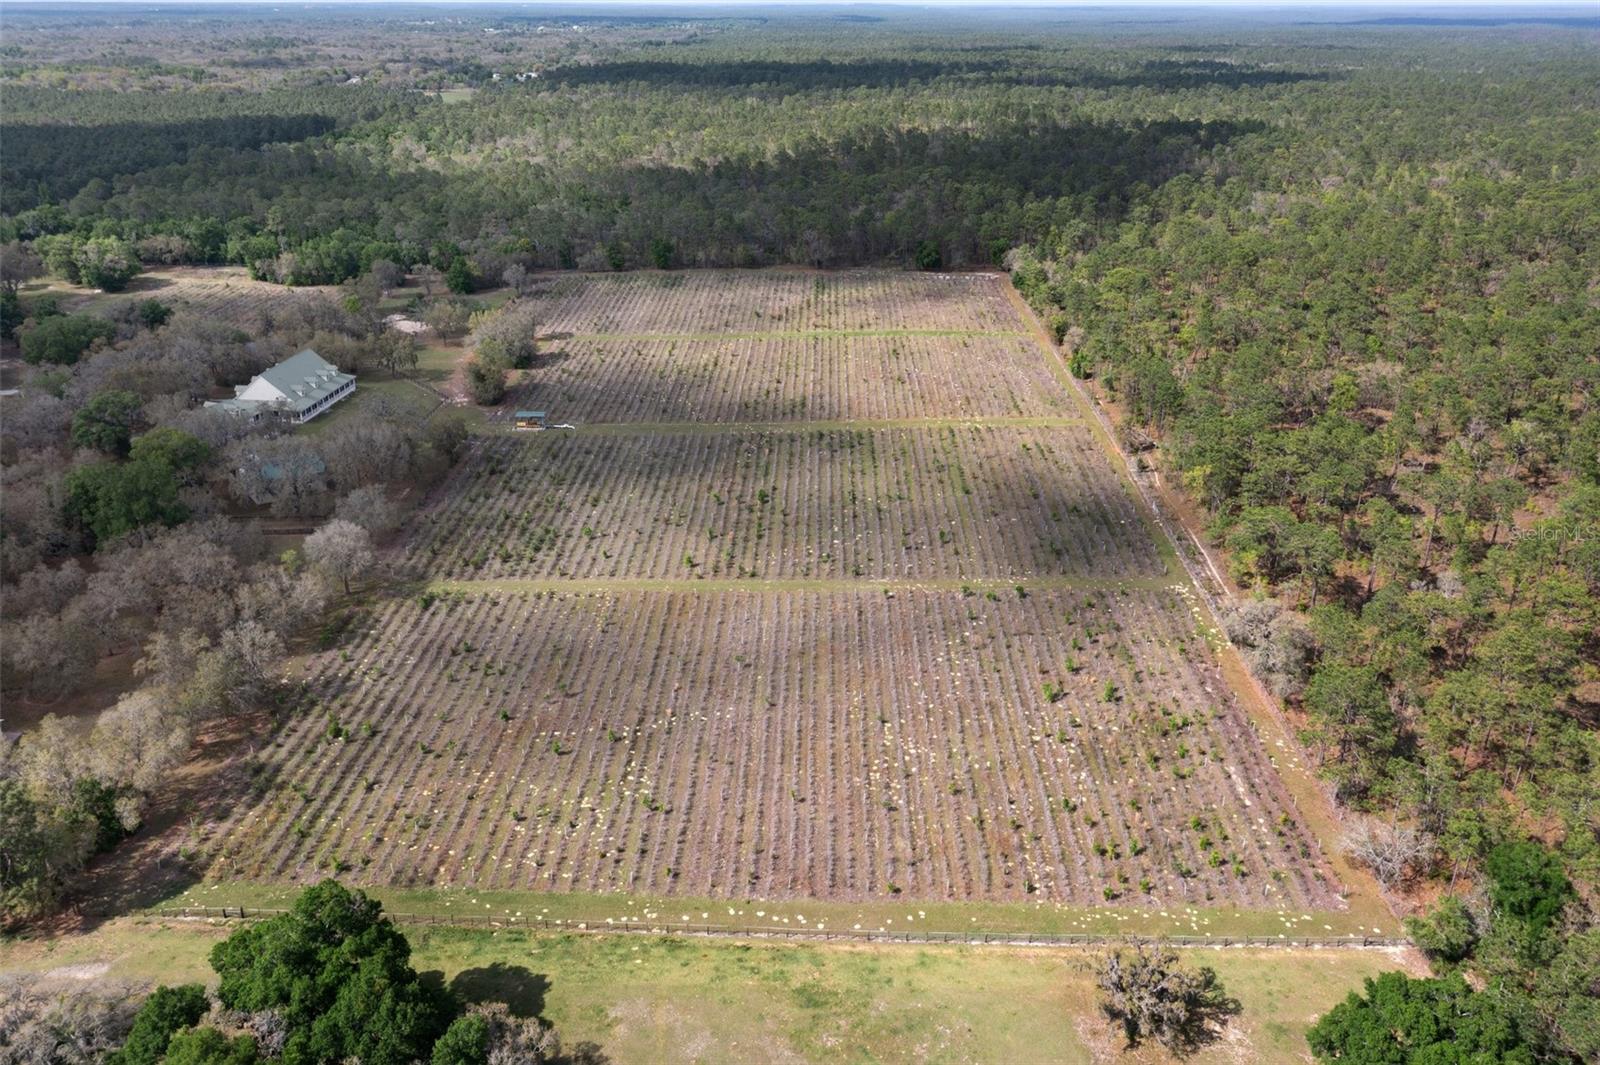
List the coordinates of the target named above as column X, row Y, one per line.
column 486, row 382
column 458, row 278
column 153, row 313
column 207, row 1046
column 1449, row 933
column 163, row 1013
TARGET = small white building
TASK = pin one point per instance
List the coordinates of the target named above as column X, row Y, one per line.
column 297, row 389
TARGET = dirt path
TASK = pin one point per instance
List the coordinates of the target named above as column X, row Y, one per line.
column 1179, row 537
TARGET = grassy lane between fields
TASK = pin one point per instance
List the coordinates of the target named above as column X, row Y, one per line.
column 587, row 911
column 669, row 999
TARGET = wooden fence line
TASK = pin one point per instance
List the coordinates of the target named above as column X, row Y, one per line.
column 1028, row 939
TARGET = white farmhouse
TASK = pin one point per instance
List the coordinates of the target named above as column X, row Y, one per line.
column 297, row 389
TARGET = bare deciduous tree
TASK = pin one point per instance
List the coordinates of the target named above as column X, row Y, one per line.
column 517, row 276
column 51, row 654
column 366, row 452
column 170, row 659
column 1391, row 850
column 250, row 651
column 287, row 474
column 136, row 743
column 49, row 759
column 18, row 264
column 371, row 508
column 279, row 599
column 516, row 1040
column 389, row 275
column 507, row 336
column 1275, row 644
column 447, row 318
column 341, row 549
column 46, row 589
column 75, row 1023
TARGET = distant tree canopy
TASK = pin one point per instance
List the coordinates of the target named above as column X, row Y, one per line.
column 1342, row 283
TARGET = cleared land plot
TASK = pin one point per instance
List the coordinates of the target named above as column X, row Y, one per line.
column 929, row 503
column 772, row 301
column 219, row 293
column 1077, row 747
column 777, row 377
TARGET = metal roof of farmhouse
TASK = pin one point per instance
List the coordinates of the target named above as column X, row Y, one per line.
column 303, row 379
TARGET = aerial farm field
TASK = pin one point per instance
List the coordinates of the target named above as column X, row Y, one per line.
column 831, row 593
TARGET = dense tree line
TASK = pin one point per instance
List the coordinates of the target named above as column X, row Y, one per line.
column 740, row 155
column 1378, row 380
column 1370, row 356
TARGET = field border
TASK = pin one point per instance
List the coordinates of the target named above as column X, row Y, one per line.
column 611, row 926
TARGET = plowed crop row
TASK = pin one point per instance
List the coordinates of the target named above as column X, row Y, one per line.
column 785, row 378
column 734, row 301
column 947, row 503
column 1067, row 746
